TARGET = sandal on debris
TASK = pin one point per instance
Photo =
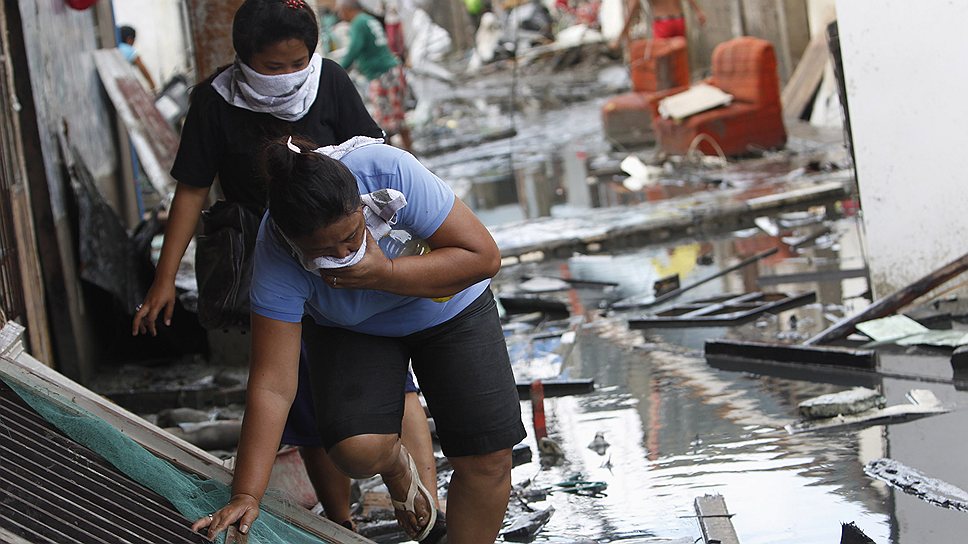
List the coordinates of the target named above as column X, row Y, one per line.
column 408, row 505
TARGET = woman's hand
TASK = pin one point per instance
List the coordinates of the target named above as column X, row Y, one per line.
column 161, row 296
column 373, row 270
column 241, row 508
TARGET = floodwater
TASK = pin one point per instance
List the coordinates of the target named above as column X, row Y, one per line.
column 678, row 428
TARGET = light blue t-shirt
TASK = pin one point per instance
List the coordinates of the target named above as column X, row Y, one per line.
column 283, row 290
column 128, row 51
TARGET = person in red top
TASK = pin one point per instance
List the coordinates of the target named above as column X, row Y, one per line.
column 668, row 19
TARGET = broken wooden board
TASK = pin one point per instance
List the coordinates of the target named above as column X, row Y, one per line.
column 805, row 80
column 715, row 520
column 723, row 310
column 923, row 403
column 893, row 302
column 915, row 483
column 525, row 527
column 155, row 141
column 792, row 354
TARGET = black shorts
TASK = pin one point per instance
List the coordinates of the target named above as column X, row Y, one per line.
column 462, row 366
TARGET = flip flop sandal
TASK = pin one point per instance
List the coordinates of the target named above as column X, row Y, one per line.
column 407, row 506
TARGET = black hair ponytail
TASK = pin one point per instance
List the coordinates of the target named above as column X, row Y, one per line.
column 306, row 190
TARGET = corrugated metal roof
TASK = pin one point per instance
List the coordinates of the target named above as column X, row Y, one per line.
column 53, row 490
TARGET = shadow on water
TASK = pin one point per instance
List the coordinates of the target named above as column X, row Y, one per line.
column 679, row 428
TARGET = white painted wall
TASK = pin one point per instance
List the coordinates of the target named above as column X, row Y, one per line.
column 908, row 113
column 162, row 40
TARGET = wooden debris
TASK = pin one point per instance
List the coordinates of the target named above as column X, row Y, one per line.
column 793, row 354
column 959, row 362
column 210, row 435
column 853, row 401
column 525, row 527
column 723, row 310
column 851, row 534
column 893, row 302
column 923, row 403
column 715, row 521
column 629, row 304
column 805, row 80
column 558, row 388
column 915, row 483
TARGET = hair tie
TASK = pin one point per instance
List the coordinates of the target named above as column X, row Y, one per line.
column 296, row 4
column 293, row 147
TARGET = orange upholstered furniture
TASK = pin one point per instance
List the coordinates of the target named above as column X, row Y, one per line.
column 745, row 68
column 654, row 65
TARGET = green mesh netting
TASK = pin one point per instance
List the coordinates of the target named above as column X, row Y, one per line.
column 191, row 496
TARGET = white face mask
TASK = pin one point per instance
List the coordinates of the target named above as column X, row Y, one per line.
column 278, row 85
column 324, row 262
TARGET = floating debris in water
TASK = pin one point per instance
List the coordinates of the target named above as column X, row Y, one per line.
column 599, row 445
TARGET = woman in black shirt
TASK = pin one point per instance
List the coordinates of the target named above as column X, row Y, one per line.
column 277, row 86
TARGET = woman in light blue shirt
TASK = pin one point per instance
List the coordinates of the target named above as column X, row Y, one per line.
column 319, row 267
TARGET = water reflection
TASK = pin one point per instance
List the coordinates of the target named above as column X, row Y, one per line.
column 679, row 428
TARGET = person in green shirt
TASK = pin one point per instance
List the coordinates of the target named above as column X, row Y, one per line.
column 369, row 52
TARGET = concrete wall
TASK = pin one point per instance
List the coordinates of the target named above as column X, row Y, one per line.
column 908, row 113
column 163, row 39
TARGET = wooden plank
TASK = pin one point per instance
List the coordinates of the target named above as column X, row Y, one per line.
column 152, row 137
column 806, row 78
column 19, row 367
column 792, row 353
column 893, row 302
column 558, row 388
column 714, row 520
column 818, row 276
column 915, row 483
column 11, row 145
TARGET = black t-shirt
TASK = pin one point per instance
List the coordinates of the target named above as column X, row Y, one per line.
column 225, row 140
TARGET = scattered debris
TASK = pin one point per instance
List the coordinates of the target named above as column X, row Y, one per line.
column 959, row 363
column 792, row 354
column 210, row 435
column 915, row 483
column 599, row 445
column 639, row 302
column 723, row 310
column 715, row 520
column 845, row 403
column 525, row 527
column 558, row 388
column 893, row 302
column 904, row 331
column 851, row 534
column 923, row 403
